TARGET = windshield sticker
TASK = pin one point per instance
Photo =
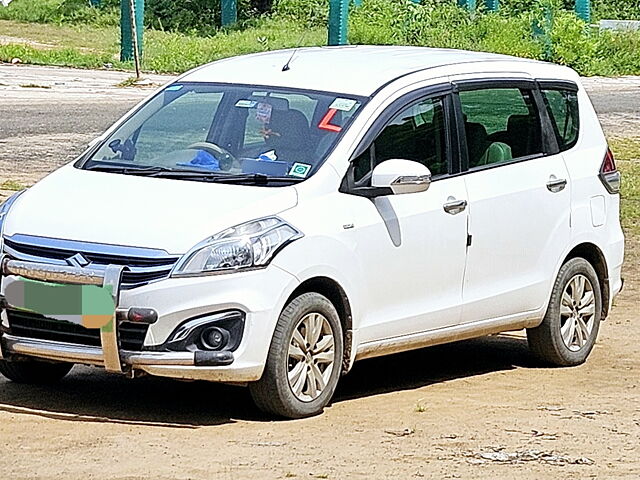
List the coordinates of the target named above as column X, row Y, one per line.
column 263, row 113
column 174, row 88
column 300, row 170
column 245, row 104
column 325, row 123
column 343, row 104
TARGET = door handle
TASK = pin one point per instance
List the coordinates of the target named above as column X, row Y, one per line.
column 454, row 207
column 556, row 185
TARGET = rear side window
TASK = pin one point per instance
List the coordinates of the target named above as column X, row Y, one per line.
column 562, row 106
column 501, row 124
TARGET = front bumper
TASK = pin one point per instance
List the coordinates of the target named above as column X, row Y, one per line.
column 176, row 300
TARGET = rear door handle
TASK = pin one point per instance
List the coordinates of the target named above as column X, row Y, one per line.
column 556, row 185
column 454, row 207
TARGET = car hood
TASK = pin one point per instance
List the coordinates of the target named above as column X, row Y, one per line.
column 161, row 213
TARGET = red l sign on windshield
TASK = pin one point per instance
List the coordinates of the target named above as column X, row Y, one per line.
column 325, row 122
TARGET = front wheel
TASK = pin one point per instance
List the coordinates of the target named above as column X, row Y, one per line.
column 34, row 372
column 304, row 361
column 570, row 327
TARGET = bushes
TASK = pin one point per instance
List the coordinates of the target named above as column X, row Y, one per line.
column 189, row 16
column 59, row 11
column 435, row 24
column 616, row 9
column 312, row 13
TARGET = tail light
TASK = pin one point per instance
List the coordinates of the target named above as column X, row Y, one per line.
column 609, row 174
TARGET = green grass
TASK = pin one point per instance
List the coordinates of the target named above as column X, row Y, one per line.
column 627, row 153
column 166, row 52
column 11, row 185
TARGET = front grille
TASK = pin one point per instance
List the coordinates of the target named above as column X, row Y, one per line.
column 144, row 265
column 32, row 325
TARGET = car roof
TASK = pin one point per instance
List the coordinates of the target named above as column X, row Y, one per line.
column 356, row 70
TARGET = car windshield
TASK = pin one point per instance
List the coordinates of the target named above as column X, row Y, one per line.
column 192, row 130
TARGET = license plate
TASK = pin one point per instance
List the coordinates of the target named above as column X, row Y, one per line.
column 88, row 305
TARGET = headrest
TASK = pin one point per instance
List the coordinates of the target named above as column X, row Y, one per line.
column 476, row 132
column 292, row 127
column 518, row 122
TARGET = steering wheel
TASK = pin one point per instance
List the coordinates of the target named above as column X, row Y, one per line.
column 224, row 156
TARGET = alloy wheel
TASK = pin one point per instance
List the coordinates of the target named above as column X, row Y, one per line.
column 311, row 357
column 577, row 312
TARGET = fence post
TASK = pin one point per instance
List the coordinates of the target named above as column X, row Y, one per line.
column 468, row 4
column 492, row 5
column 229, row 13
column 542, row 28
column 583, row 10
column 338, row 22
column 126, row 37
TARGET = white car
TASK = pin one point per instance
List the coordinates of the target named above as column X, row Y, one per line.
column 270, row 219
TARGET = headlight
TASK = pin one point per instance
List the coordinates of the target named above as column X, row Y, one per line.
column 249, row 245
column 4, row 210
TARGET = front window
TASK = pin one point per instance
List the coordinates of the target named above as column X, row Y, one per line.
column 228, row 132
column 417, row 133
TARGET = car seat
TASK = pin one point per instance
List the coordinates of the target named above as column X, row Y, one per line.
column 497, row 152
column 477, row 142
column 291, row 135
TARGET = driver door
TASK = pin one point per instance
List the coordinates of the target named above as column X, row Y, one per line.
column 412, row 247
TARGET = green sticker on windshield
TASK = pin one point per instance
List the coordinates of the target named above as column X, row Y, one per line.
column 300, row 170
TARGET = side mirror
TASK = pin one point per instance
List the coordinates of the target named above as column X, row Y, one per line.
column 401, row 176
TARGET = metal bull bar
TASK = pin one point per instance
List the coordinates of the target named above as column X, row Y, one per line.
column 111, row 277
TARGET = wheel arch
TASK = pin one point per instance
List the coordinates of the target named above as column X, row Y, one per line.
column 591, row 253
column 331, row 289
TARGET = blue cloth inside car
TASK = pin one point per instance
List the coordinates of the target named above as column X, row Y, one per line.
column 203, row 159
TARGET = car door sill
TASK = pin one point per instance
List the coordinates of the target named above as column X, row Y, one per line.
column 447, row 334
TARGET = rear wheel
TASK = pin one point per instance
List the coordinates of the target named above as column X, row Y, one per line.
column 305, row 359
column 570, row 327
column 34, row 372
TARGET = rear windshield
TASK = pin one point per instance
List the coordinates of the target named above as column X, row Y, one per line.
column 231, row 129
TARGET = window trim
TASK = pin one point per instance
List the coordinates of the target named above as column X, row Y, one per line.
column 558, row 85
column 442, row 90
column 549, row 140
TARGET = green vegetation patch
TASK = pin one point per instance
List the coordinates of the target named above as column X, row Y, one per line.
column 627, row 154
column 12, row 185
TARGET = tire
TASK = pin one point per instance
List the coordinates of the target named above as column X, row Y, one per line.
column 568, row 332
column 34, row 372
column 291, row 353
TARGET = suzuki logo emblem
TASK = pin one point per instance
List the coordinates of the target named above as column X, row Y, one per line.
column 78, row 260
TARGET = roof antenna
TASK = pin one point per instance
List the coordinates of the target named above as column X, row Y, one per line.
column 286, row 67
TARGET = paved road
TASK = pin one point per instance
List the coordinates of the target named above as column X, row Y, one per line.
column 86, row 101
column 48, row 114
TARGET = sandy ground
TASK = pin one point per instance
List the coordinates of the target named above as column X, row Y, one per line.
column 480, row 409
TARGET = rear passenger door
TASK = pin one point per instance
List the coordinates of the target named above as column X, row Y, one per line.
column 519, row 198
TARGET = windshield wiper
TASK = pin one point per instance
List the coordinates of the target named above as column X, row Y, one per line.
column 255, row 178
column 130, row 170
column 202, row 175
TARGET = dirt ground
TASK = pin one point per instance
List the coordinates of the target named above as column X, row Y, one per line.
column 480, row 409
